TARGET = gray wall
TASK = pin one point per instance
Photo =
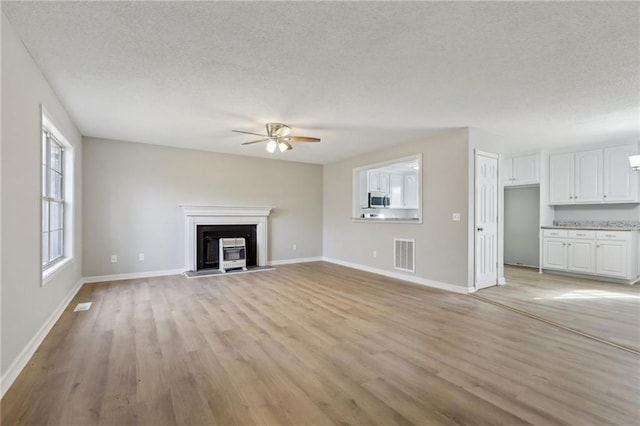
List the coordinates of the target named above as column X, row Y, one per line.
column 132, row 192
column 441, row 244
column 521, row 226
column 26, row 305
column 598, row 212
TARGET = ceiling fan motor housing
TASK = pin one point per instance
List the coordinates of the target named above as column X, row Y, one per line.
column 277, row 130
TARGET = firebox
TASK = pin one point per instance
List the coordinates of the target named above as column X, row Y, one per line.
column 208, row 244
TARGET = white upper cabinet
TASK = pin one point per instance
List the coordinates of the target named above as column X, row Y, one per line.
column 593, row 177
column 379, row 182
column 397, row 188
column 561, row 179
column 620, row 182
column 411, row 191
column 521, row 170
column 588, row 176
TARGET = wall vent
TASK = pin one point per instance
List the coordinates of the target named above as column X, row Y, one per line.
column 404, row 254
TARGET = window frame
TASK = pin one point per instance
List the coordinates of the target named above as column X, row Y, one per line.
column 49, row 139
column 54, row 266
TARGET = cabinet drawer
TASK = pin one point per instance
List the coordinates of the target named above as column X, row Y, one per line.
column 554, row 233
column 580, row 234
column 614, row 235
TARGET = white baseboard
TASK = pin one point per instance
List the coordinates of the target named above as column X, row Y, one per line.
column 299, row 260
column 25, row 355
column 131, row 276
column 417, row 280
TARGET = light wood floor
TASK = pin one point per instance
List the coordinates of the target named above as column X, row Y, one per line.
column 317, row 344
column 605, row 310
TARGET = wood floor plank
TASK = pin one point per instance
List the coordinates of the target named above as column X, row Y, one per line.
column 318, row 344
column 603, row 309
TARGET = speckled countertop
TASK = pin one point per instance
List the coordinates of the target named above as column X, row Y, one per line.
column 596, row 225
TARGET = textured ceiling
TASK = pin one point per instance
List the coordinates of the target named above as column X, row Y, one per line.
column 359, row 75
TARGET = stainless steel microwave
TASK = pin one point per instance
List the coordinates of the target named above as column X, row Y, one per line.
column 378, row 200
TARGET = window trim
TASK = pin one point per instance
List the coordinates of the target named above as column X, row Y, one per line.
column 53, row 268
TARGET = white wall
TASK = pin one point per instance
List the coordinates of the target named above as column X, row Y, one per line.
column 132, row 192
column 441, row 244
column 26, row 305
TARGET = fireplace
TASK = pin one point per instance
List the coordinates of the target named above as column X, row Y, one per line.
column 208, row 244
column 197, row 217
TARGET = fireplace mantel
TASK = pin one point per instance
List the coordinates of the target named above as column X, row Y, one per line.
column 224, row 215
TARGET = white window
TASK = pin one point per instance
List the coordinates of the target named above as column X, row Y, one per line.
column 56, row 195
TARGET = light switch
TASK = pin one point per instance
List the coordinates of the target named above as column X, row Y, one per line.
column 456, row 217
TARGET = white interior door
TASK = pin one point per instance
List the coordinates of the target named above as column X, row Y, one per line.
column 486, row 220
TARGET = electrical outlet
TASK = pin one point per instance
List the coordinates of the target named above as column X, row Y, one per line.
column 375, row 254
column 456, row 217
column 295, row 247
column 114, row 258
column 140, row 256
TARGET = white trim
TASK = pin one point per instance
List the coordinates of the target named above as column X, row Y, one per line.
column 55, row 269
column 417, row 280
column 25, row 355
column 199, row 210
column 224, row 215
column 290, row 261
column 131, row 276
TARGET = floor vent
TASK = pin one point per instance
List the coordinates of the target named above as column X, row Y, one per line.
column 83, row 307
column 404, row 254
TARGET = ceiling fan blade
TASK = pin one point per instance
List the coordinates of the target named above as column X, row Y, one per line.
column 259, row 140
column 249, row 133
column 301, row 139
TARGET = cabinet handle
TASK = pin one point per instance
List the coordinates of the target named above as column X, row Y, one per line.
column 609, row 235
column 580, row 235
column 604, row 196
column 570, row 197
column 569, row 244
column 598, row 246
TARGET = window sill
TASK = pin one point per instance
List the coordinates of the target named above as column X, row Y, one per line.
column 386, row 220
column 54, row 270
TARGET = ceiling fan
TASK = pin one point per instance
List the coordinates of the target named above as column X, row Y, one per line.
column 278, row 137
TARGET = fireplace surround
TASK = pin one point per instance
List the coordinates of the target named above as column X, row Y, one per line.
column 224, row 215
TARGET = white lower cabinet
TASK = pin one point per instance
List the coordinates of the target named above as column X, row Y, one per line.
column 606, row 253
column 613, row 254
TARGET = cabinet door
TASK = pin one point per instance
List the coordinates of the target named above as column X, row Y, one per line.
column 507, row 171
column 620, row 182
column 588, row 176
column 581, row 256
column 554, row 254
column 611, row 258
column 411, row 191
column 525, row 170
column 395, row 195
column 384, row 182
column 561, row 179
column 374, row 181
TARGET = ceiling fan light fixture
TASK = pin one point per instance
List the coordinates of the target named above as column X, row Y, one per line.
column 271, row 146
column 282, row 147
